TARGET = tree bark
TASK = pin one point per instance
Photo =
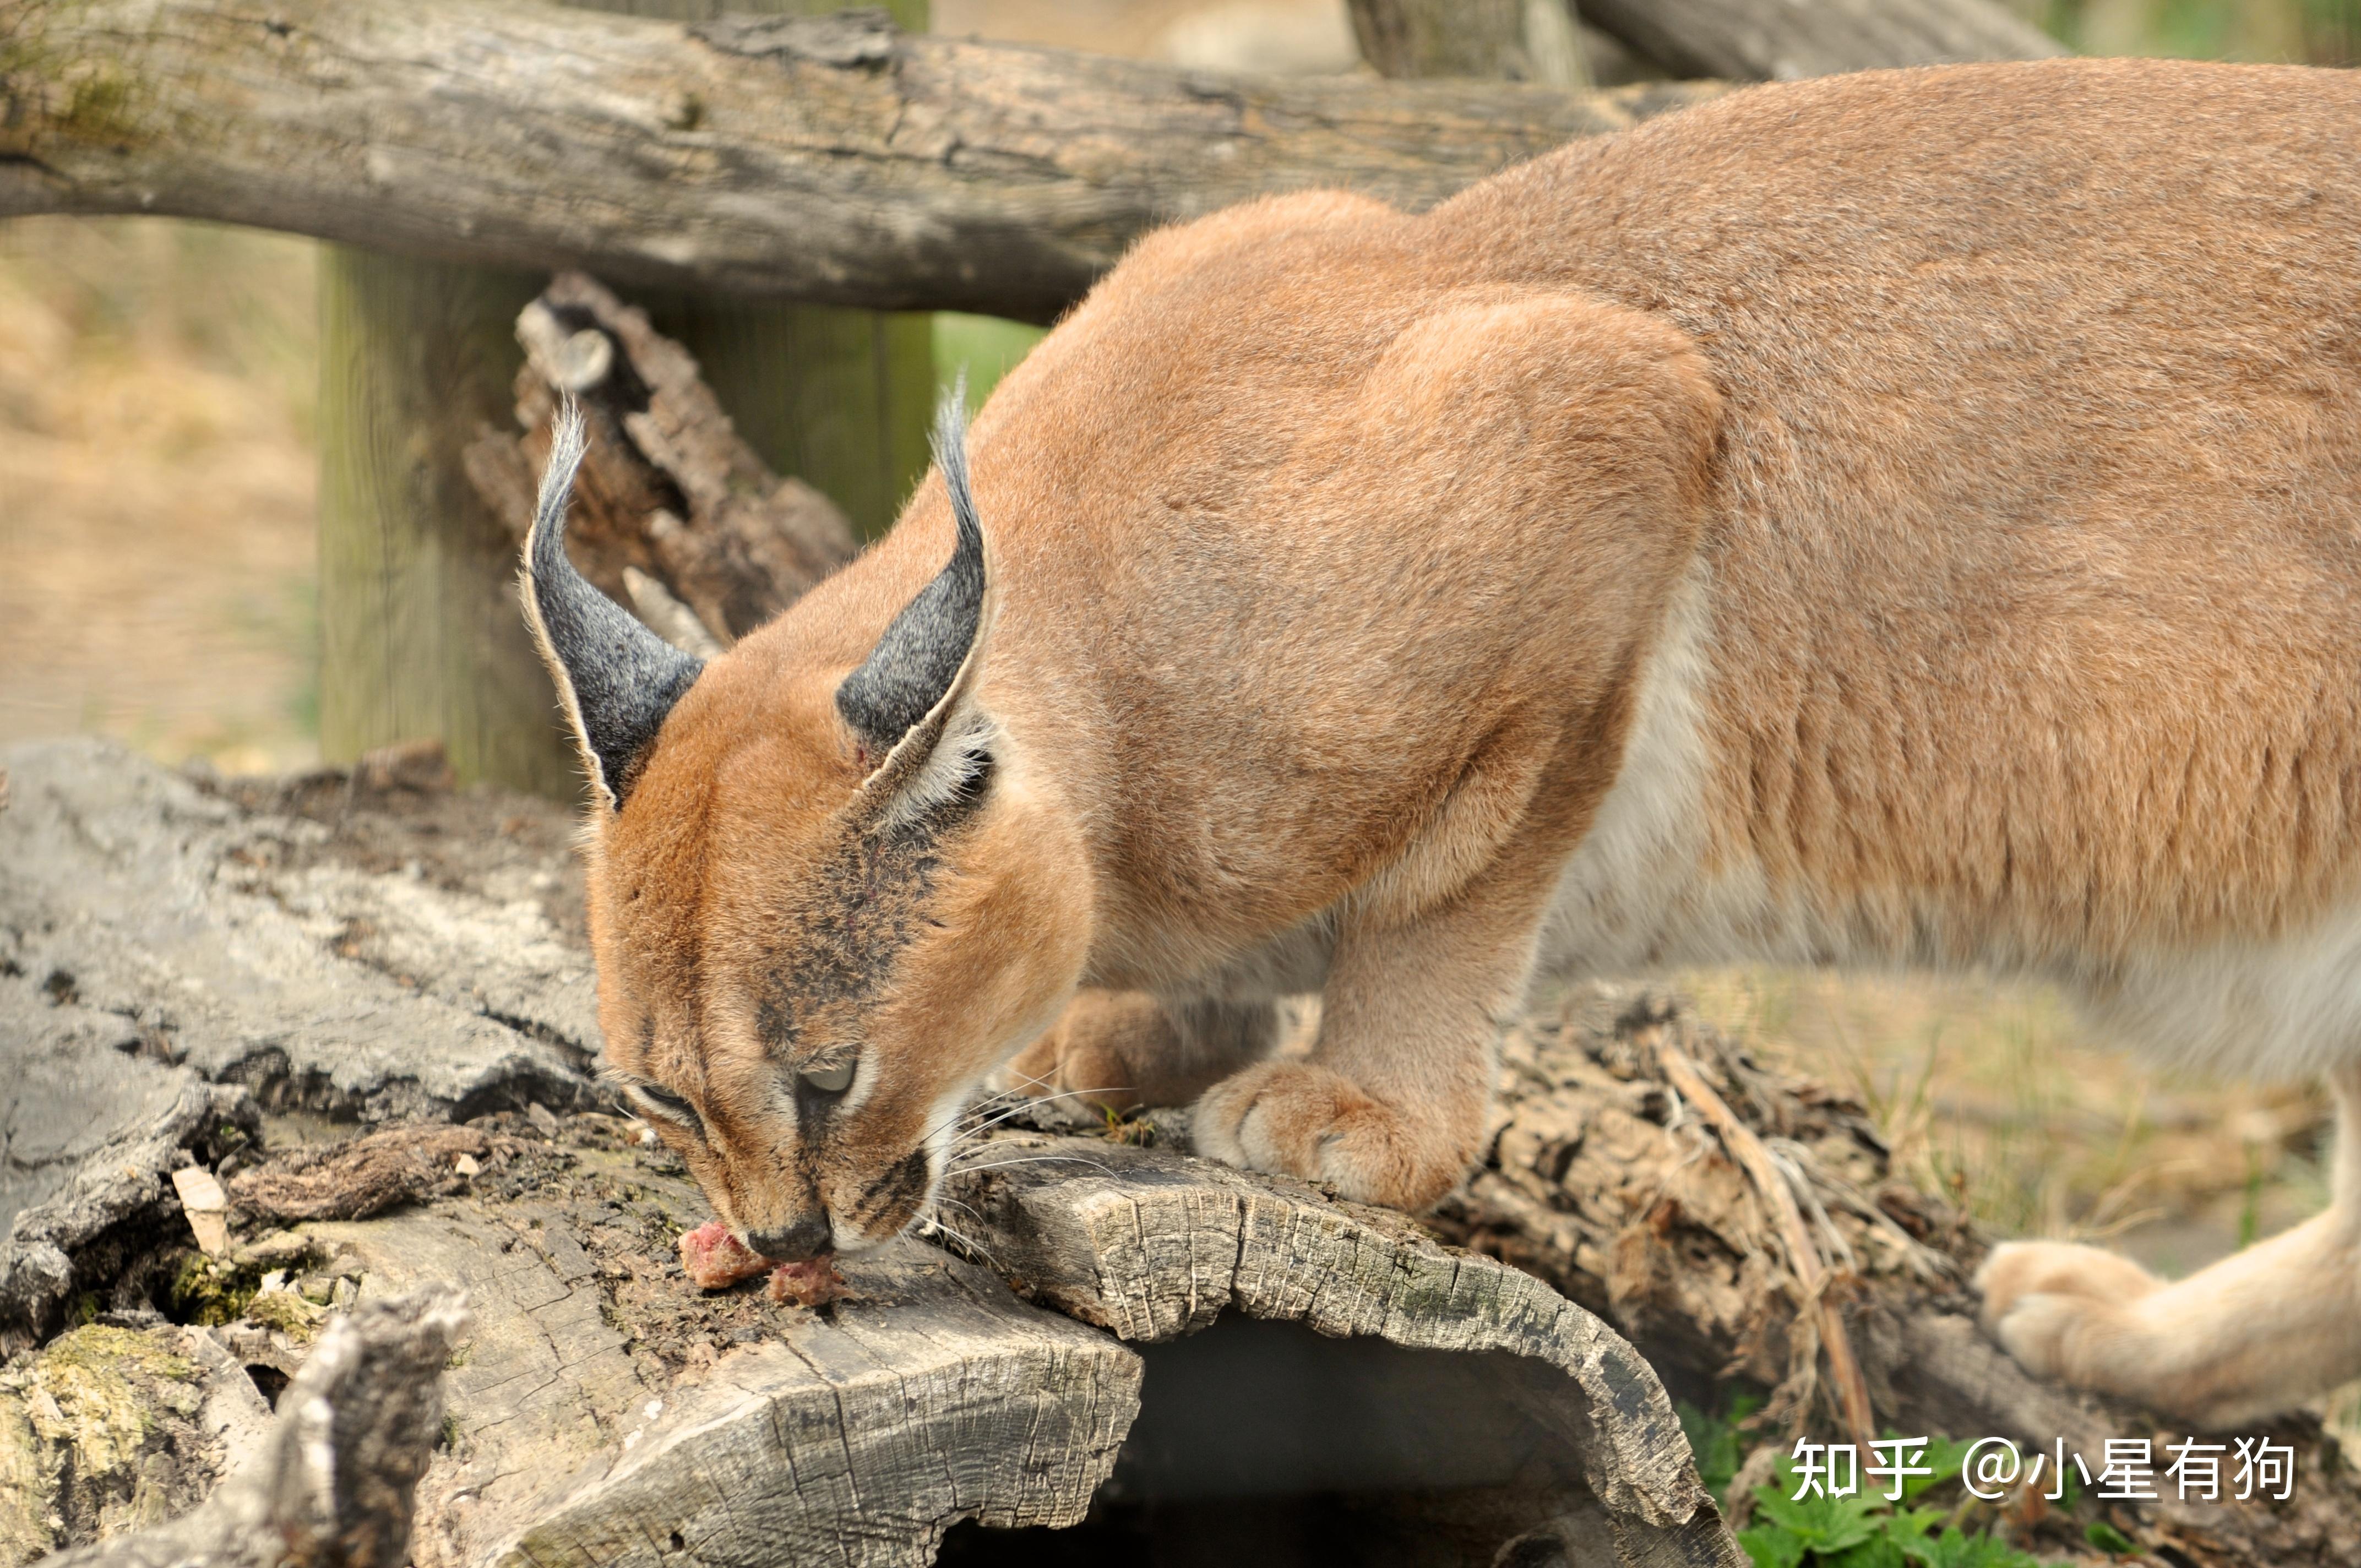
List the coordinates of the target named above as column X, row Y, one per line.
column 1780, row 40
column 673, row 514
column 827, row 160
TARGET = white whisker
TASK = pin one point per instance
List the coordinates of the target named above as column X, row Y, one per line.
column 1034, row 1159
column 985, row 1123
column 968, row 1242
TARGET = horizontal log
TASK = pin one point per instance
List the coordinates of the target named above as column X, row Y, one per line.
column 826, row 158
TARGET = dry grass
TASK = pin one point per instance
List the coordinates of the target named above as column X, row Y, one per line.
column 1997, row 1092
column 156, row 489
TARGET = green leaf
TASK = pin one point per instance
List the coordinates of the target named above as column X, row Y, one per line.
column 1880, row 1550
column 1825, row 1525
column 1771, row 1547
column 2108, row 1538
column 1945, row 1458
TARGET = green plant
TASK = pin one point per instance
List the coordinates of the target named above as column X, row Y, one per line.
column 1853, row 1531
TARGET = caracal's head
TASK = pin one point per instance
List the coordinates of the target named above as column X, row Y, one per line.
column 823, row 905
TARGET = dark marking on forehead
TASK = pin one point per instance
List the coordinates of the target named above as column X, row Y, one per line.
column 863, row 907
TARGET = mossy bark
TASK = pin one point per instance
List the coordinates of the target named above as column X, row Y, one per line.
column 108, row 1430
column 420, row 632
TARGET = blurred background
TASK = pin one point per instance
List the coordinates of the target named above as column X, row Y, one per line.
column 159, row 496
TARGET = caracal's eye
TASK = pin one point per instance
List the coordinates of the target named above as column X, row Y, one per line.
column 833, row 1080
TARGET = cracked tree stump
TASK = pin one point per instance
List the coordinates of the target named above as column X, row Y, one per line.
column 608, row 1413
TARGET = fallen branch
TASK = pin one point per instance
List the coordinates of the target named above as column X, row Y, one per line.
column 829, row 159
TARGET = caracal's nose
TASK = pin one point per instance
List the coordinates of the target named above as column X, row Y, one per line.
column 808, row 1237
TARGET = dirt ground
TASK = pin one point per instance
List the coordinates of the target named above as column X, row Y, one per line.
column 157, row 491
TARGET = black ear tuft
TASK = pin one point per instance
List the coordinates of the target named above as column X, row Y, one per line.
column 916, row 661
column 617, row 678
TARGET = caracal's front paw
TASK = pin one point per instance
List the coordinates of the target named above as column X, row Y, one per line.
column 1300, row 1118
column 2065, row 1312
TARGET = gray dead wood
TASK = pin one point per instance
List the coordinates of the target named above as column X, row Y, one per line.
column 673, row 514
column 372, row 977
column 1152, row 1246
column 1780, row 40
column 605, row 1411
column 331, row 1483
column 830, row 160
column 113, row 1195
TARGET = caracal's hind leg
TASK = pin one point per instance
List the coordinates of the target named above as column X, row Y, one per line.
column 2258, row 1332
column 1123, row 1050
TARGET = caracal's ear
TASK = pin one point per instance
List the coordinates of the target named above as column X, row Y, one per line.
column 616, row 678
column 911, row 693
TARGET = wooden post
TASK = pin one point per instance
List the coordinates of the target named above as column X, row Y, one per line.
column 419, row 632
column 1515, row 40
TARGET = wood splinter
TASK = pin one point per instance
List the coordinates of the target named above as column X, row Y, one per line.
column 1803, row 1257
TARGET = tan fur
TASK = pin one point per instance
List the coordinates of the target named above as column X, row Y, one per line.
column 1903, row 518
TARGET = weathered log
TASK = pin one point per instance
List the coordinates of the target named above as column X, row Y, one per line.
column 91, row 1220
column 372, row 956
column 1602, row 1180
column 605, row 1408
column 826, row 158
column 673, row 511
column 1153, row 1245
column 1779, row 40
